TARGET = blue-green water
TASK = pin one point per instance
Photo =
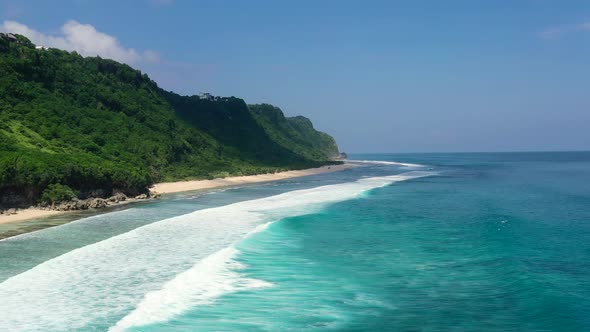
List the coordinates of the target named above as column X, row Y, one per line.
column 468, row 242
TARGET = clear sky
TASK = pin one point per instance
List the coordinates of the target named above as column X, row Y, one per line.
column 380, row 76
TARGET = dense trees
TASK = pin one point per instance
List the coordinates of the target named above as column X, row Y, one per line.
column 90, row 123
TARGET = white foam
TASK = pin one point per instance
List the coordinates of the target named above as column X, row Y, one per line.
column 207, row 280
column 381, row 162
column 158, row 270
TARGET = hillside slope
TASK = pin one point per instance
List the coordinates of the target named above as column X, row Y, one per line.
column 96, row 126
column 295, row 133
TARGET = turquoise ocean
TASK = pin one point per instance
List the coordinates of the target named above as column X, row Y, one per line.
column 403, row 242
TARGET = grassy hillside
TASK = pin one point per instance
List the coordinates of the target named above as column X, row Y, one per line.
column 91, row 123
column 295, row 134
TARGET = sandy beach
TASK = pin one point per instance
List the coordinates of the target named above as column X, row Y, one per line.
column 174, row 187
column 26, row 214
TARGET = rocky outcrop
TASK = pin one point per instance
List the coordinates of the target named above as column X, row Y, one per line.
column 95, row 203
column 8, row 212
column 90, row 202
column 117, row 197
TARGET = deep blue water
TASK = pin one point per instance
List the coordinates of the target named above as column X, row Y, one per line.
column 469, row 242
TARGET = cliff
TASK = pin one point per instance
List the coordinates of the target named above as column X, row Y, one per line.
column 96, row 125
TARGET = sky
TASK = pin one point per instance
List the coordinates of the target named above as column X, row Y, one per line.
column 379, row 76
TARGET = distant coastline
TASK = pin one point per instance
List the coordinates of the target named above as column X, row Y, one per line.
column 32, row 213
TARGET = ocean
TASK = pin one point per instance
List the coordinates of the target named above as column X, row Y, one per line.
column 403, row 242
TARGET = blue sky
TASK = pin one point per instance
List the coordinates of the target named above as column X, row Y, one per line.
column 380, row 76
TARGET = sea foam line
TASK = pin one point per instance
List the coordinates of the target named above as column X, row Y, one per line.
column 109, row 280
column 197, row 286
column 381, row 162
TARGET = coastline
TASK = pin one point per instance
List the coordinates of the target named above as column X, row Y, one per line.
column 180, row 186
column 33, row 213
column 27, row 214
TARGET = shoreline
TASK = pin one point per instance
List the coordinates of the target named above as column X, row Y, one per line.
column 190, row 185
column 33, row 213
column 27, row 214
column 36, row 213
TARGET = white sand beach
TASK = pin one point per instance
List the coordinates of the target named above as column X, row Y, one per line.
column 173, row 187
column 26, row 214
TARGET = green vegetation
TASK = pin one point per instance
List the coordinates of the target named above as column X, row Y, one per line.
column 90, row 123
column 56, row 192
column 295, row 134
